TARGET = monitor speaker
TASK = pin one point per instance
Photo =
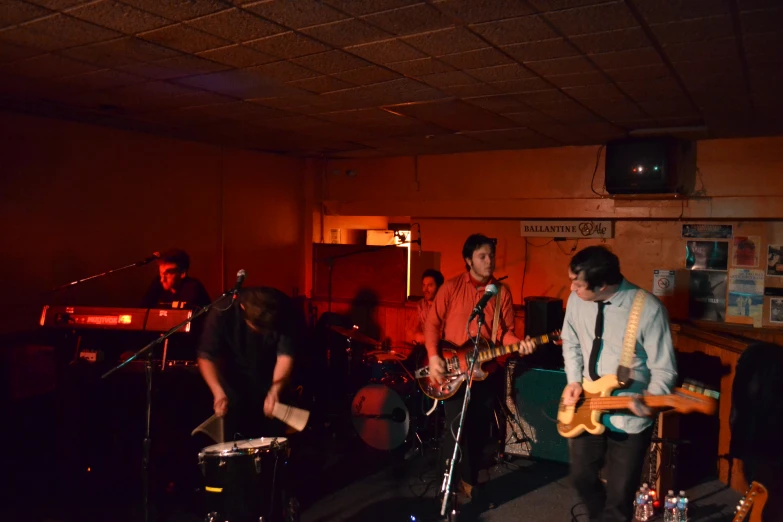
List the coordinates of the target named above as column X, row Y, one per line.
column 655, row 165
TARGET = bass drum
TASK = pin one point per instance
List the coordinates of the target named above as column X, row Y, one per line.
column 380, row 417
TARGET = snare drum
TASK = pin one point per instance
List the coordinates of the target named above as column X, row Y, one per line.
column 243, row 480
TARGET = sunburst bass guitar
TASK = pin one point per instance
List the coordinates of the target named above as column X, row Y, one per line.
column 458, row 360
column 597, row 399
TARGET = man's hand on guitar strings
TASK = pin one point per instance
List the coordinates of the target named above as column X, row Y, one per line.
column 437, row 368
column 526, row 346
column 638, row 408
column 572, row 393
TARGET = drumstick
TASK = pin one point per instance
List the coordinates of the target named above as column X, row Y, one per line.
column 212, row 428
column 294, row 417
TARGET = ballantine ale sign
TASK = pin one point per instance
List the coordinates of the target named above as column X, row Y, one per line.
column 569, row 229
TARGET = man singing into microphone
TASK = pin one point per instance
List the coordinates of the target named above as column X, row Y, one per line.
column 447, row 320
column 246, row 357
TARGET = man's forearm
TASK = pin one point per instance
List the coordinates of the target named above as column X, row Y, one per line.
column 283, row 368
column 210, row 374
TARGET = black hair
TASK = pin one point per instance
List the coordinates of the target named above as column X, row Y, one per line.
column 473, row 243
column 177, row 257
column 599, row 264
column 435, row 274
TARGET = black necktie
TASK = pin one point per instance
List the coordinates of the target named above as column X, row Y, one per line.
column 599, row 332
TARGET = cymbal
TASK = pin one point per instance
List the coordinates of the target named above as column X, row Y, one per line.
column 354, row 335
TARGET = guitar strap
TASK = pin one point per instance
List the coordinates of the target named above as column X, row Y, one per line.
column 496, row 321
column 629, row 341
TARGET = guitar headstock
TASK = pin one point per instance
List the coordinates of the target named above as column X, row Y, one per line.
column 693, row 398
column 756, row 496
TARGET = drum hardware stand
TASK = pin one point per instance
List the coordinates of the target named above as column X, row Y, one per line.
column 448, row 479
column 147, row 443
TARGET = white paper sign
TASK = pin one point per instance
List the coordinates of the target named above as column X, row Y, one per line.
column 663, row 282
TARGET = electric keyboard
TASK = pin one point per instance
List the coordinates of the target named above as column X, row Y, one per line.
column 107, row 318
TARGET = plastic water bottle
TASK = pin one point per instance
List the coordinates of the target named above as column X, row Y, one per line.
column 649, row 505
column 642, row 512
column 638, row 505
column 670, row 508
column 682, row 507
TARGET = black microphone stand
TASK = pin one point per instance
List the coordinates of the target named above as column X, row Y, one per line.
column 448, row 478
column 145, row 463
column 95, row 276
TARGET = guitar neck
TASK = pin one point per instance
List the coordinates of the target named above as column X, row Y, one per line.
column 622, row 403
column 496, row 351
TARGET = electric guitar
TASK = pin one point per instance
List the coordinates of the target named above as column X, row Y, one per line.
column 597, row 399
column 753, row 503
column 458, row 360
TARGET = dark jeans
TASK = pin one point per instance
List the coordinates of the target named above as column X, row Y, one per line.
column 621, row 455
column 476, row 428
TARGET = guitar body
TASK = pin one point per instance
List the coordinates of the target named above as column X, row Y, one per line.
column 751, row 506
column 458, row 359
column 575, row 420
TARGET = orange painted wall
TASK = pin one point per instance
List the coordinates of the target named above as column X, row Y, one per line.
column 80, row 199
column 455, row 195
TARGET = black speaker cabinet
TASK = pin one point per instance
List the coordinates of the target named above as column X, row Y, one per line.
column 542, row 316
column 538, row 396
column 657, row 165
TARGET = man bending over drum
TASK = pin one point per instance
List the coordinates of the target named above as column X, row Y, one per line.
column 246, row 356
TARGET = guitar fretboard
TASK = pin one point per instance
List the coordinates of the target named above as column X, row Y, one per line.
column 488, row 354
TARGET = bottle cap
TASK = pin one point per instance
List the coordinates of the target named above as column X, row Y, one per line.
column 671, row 492
column 682, row 493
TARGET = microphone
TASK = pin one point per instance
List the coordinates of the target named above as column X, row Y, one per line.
column 489, row 292
column 154, row 257
column 240, row 279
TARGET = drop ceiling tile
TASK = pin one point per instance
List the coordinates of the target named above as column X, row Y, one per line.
column 102, row 79
column 447, row 79
column 367, row 75
column 499, row 103
column 420, row 67
column 651, row 89
column 239, row 83
column 56, row 32
column 724, row 49
column 331, row 62
column 578, row 79
column 412, row 19
column 236, row 25
column 45, row 66
column 619, row 40
column 572, row 65
column 446, row 41
column 590, row 19
column 13, row 12
column 544, row 96
column 599, row 130
column 499, row 73
column 605, row 90
column 287, row 45
column 58, row 5
column 694, row 30
column 676, row 108
column 282, row 71
column 240, row 110
column 625, row 59
column 763, row 44
column 186, row 65
column 541, row 50
column 477, row 11
column 178, row 10
column 386, row 51
column 238, row 55
column 762, row 21
column 118, row 17
column 515, row 30
column 657, row 11
column 520, row 86
column 473, row 89
column 559, row 5
column 321, row 84
column 365, row 7
column 296, row 15
column 615, row 109
column 184, row 38
column 640, row 72
column 529, row 117
column 10, row 52
column 474, row 59
column 520, row 137
column 119, row 52
column 346, row 33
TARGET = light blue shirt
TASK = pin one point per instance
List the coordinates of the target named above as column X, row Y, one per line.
column 653, row 367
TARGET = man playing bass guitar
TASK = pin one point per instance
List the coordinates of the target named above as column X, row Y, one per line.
column 597, row 314
column 447, row 320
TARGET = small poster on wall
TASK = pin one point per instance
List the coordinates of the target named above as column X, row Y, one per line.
column 707, row 255
column 774, row 261
column 746, row 296
column 663, row 282
column 707, row 231
column 707, row 296
column 746, row 250
column 776, row 311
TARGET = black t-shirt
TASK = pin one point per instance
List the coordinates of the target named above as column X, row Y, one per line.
column 245, row 358
column 191, row 294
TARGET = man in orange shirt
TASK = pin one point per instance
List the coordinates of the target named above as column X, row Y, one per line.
column 447, row 320
column 431, row 280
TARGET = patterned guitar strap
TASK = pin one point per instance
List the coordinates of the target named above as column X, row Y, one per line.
column 629, row 341
column 496, row 321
